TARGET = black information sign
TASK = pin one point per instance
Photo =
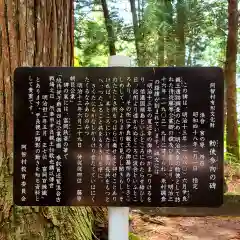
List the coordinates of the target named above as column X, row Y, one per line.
column 118, row 136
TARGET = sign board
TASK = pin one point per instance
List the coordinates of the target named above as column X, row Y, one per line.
column 118, row 136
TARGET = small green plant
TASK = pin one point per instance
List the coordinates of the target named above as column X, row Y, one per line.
column 230, row 158
column 132, row 236
column 232, row 167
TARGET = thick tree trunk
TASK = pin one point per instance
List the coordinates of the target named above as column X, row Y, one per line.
column 33, row 33
column 180, row 57
column 109, row 27
column 230, row 74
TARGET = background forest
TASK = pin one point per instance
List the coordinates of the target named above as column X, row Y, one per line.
column 164, row 33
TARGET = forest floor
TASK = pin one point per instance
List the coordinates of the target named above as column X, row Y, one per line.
column 204, row 224
column 186, row 228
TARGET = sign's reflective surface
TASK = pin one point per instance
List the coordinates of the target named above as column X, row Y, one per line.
column 118, row 136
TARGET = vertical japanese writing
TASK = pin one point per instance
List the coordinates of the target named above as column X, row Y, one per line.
column 149, row 140
column 109, row 108
column 156, row 118
column 128, row 140
column 79, row 134
column 23, row 172
column 115, row 110
column 87, row 131
column 195, row 144
column 37, row 156
column 213, row 144
column 52, row 143
column 30, row 94
column 171, row 131
column 213, row 162
column 45, row 147
column 37, row 92
column 184, row 141
column 142, row 134
column 134, row 137
column 95, row 112
column 37, row 142
column 177, row 138
column 121, row 140
column 72, row 88
column 138, row 187
column 66, row 119
column 202, row 139
column 93, row 129
column 212, row 104
column 59, row 136
column 163, row 140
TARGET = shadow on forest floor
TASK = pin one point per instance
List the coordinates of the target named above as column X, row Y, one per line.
column 221, row 223
column 186, row 228
column 231, row 207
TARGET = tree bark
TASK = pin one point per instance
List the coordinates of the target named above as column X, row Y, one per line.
column 33, row 33
column 109, row 27
column 230, row 74
column 136, row 32
column 170, row 37
column 161, row 32
column 180, row 57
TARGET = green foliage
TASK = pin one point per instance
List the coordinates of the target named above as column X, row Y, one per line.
column 132, row 236
column 205, row 31
column 230, row 158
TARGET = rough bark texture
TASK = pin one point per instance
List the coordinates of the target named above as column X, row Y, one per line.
column 34, row 33
column 230, row 74
column 109, row 27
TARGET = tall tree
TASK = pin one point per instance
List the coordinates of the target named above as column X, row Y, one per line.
column 180, row 32
column 161, row 10
column 136, row 30
column 230, row 75
column 109, row 27
column 33, row 33
column 169, row 36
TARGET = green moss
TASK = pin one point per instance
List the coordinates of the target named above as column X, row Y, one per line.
column 43, row 223
column 50, row 232
column 49, row 223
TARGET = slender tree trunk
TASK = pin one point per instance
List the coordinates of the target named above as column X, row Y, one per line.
column 230, row 74
column 180, row 56
column 169, row 35
column 33, row 33
column 161, row 32
column 109, row 27
column 136, row 32
column 139, row 11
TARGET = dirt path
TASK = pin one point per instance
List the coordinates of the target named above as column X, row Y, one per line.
column 149, row 224
column 186, row 228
